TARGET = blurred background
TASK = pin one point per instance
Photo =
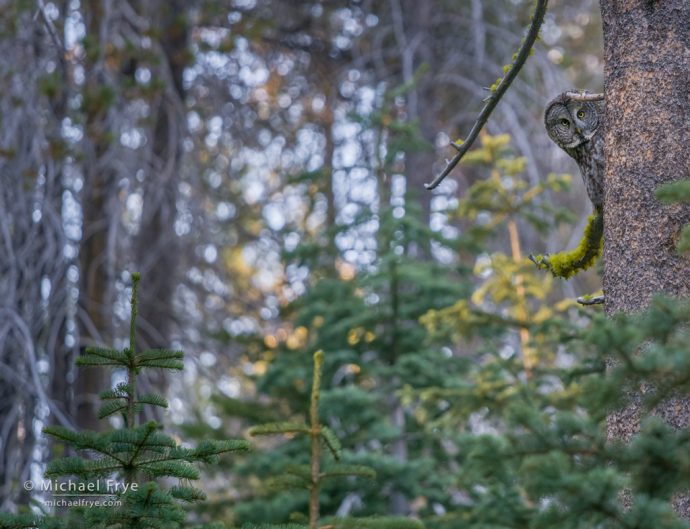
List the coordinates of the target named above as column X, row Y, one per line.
column 261, row 164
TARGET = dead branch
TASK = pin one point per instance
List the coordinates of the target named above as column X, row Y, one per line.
column 584, row 96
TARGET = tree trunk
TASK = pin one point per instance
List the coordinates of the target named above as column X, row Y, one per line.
column 97, row 202
column 647, row 89
column 414, row 35
column 157, row 245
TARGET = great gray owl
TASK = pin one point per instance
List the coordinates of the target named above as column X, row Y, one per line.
column 577, row 127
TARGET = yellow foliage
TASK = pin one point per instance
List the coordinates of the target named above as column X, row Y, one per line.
column 260, row 367
column 355, row 335
column 346, row 271
column 353, row 369
column 298, row 338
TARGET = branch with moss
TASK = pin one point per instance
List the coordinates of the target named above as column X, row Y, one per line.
column 567, row 264
column 497, row 91
column 591, row 300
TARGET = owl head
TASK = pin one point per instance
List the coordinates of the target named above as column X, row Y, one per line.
column 571, row 123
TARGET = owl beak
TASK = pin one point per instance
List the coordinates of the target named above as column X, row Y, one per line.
column 578, row 130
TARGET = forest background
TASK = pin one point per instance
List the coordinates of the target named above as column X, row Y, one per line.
column 261, row 164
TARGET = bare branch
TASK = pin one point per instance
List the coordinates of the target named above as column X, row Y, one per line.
column 23, row 329
column 52, row 32
column 584, row 96
column 495, row 97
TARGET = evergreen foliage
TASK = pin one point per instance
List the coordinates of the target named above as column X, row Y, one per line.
column 312, row 476
column 366, row 321
column 538, row 454
column 378, row 356
column 504, row 395
column 133, row 456
column 531, row 439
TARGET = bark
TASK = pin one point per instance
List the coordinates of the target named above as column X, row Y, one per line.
column 97, row 201
column 157, row 246
column 414, row 36
column 157, row 243
column 647, row 89
column 327, row 124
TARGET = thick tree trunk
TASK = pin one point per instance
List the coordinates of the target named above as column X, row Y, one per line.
column 157, row 244
column 95, row 297
column 95, row 260
column 647, row 89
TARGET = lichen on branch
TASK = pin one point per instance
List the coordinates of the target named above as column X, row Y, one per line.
column 568, row 263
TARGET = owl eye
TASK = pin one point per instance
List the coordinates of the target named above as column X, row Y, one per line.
column 580, row 114
column 565, row 122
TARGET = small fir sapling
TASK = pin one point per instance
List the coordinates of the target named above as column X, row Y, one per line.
column 134, row 455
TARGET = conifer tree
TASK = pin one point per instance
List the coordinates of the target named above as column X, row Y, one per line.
column 312, row 475
column 531, row 437
column 366, row 321
column 133, row 456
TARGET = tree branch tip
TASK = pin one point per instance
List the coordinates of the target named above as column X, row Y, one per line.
column 591, row 300
column 433, row 184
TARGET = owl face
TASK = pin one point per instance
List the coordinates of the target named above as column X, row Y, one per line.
column 571, row 123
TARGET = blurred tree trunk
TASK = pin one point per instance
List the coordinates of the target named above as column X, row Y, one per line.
column 412, row 27
column 95, row 253
column 327, row 124
column 324, row 70
column 414, row 33
column 647, row 88
column 157, row 244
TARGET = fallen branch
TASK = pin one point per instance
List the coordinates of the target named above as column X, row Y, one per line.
column 495, row 97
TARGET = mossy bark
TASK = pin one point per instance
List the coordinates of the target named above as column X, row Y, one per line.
column 647, row 90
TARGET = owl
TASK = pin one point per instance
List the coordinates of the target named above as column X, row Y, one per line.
column 577, row 127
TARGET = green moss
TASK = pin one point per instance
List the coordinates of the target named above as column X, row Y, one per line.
column 567, row 264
